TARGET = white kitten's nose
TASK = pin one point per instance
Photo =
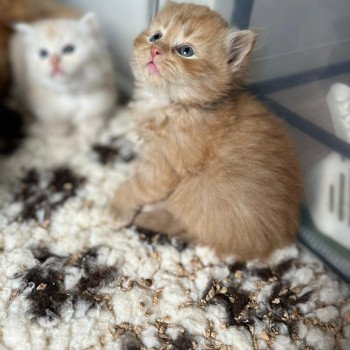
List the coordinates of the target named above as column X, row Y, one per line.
column 55, row 60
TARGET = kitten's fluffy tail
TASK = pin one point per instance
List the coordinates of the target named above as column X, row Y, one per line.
column 158, row 219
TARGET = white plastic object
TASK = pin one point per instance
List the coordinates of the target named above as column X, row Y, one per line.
column 338, row 100
column 328, row 197
column 328, row 183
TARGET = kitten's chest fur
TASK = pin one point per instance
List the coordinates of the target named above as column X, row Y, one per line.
column 177, row 133
column 65, row 105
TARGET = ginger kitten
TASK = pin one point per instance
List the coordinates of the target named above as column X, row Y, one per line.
column 216, row 166
column 63, row 72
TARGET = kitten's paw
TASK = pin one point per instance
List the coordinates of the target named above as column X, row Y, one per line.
column 122, row 213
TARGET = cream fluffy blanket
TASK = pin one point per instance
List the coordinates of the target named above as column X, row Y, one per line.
column 70, row 280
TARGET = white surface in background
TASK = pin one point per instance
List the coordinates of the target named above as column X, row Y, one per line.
column 338, row 100
column 328, row 197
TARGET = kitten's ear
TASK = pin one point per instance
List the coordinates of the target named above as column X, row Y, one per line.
column 89, row 22
column 240, row 44
column 22, row 27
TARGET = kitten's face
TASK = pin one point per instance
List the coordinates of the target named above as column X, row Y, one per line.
column 190, row 52
column 59, row 49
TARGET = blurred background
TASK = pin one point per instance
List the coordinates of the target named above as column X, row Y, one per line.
column 301, row 69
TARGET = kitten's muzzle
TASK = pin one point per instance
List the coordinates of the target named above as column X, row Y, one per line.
column 55, row 61
column 152, row 64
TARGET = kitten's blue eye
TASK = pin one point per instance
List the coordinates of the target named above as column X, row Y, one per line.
column 155, row 37
column 43, row 53
column 68, row 49
column 185, row 51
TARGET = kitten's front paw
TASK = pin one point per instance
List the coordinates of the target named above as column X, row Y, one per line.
column 122, row 213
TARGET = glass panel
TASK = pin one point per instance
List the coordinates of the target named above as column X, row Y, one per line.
column 301, row 68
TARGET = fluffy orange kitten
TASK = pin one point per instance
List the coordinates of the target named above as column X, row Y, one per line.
column 216, row 166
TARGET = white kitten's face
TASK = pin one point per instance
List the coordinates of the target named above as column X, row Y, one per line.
column 59, row 51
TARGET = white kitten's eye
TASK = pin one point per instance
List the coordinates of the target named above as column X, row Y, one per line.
column 43, row 53
column 68, row 49
column 155, row 37
column 185, row 51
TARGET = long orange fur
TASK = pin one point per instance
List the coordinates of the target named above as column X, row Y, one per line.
column 216, row 166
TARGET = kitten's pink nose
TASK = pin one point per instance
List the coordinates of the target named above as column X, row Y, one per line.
column 55, row 60
column 156, row 50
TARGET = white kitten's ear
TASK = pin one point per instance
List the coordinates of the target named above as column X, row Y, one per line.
column 240, row 44
column 22, row 27
column 89, row 22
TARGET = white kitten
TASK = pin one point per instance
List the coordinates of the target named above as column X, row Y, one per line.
column 62, row 72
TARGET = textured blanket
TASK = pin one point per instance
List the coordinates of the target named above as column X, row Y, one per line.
column 70, row 280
